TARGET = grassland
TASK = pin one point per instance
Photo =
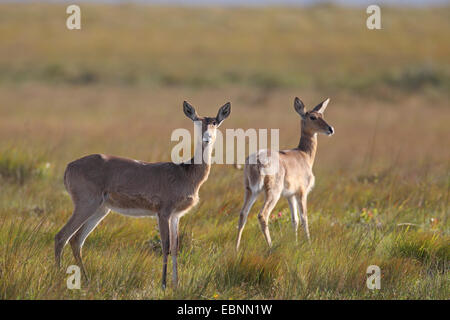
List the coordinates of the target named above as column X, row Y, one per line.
column 116, row 87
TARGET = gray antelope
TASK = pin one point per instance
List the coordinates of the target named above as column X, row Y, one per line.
column 293, row 177
column 100, row 183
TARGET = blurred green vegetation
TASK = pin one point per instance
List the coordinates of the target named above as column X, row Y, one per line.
column 320, row 46
column 20, row 166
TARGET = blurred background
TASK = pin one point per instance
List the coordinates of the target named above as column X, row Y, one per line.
column 144, row 59
column 117, row 85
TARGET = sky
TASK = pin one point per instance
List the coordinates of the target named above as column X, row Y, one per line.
column 299, row 2
column 262, row 2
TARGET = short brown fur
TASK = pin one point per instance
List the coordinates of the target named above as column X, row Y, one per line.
column 98, row 183
column 294, row 178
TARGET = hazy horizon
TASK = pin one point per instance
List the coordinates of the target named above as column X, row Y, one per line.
column 259, row 2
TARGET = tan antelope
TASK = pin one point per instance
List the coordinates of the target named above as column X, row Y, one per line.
column 99, row 183
column 293, row 178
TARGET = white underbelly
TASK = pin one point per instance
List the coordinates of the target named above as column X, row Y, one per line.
column 287, row 193
column 133, row 212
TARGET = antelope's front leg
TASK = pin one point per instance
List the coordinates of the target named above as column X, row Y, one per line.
column 174, row 245
column 293, row 206
column 302, row 199
column 163, row 223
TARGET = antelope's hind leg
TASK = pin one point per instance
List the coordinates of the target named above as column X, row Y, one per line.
column 81, row 213
column 272, row 197
column 78, row 239
column 249, row 200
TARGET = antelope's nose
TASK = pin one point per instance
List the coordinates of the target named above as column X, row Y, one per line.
column 330, row 130
column 207, row 137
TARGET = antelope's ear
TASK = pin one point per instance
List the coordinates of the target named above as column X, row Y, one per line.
column 189, row 111
column 224, row 112
column 321, row 106
column 299, row 106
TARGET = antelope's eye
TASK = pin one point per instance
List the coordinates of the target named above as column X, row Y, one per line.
column 313, row 117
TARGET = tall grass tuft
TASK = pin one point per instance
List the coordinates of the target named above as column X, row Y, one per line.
column 18, row 166
column 427, row 248
column 248, row 270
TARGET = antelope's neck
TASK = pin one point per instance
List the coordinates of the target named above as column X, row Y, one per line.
column 308, row 144
column 199, row 172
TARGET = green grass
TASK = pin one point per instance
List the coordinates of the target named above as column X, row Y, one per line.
column 357, row 226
